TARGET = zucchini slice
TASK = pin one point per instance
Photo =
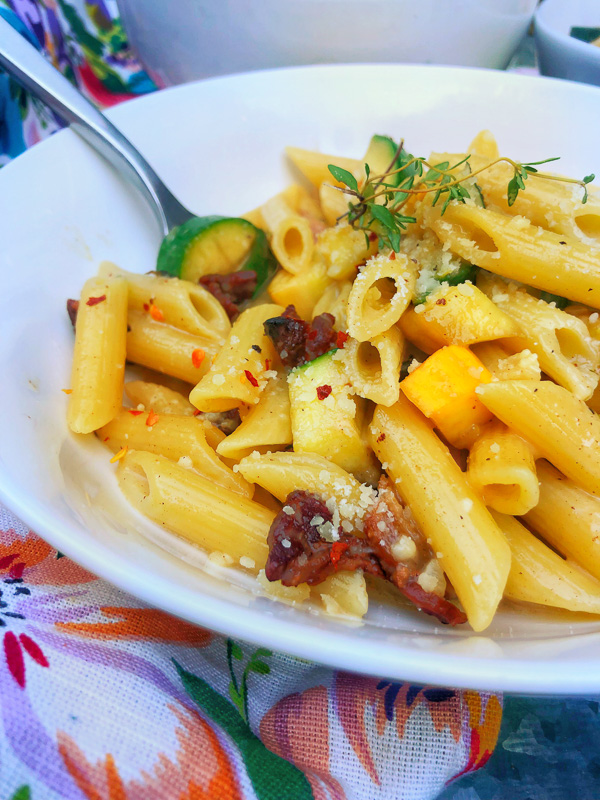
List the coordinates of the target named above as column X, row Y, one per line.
column 216, row 245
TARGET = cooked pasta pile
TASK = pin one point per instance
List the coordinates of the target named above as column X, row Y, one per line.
column 423, row 414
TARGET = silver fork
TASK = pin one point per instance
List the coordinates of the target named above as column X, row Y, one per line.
column 28, row 67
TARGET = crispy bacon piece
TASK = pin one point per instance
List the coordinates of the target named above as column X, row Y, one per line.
column 298, row 341
column 72, row 309
column 299, row 554
column 231, row 290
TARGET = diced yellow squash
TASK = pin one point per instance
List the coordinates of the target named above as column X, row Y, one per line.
column 327, row 418
column 456, row 315
column 303, row 290
column 443, row 388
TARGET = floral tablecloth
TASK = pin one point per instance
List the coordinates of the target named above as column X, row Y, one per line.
column 107, row 699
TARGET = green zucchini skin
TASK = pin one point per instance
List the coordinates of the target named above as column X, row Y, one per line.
column 187, row 240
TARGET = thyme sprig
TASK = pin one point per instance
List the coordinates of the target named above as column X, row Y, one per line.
column 380, row 199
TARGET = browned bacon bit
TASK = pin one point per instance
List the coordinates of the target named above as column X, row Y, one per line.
column 231, row 290
column 251, row 379
column 297, row 552
column 72, row 309
column 323, row 391
column 298, row 341
column 341, row 339
column 385, row 523
column 93, row 301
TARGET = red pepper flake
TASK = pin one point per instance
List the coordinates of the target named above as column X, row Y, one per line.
column 93, row 301
column 196, row 412
column 342, row 338
column 106, row 438
column 251, row 378
column 156, row 314
column 441, row 301
column 323, row 391
column 337, row 550
column 135, row 412
column 393, row 255
column 67, row 391
column 372, row 236
column 198, row 356
column 146, row 306
column 381, row 437
column 267, row 364
column 151, row 419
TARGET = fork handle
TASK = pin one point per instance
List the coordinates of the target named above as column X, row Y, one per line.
column 20, row 59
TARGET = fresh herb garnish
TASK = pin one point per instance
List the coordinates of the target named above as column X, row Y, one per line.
column 378, row 202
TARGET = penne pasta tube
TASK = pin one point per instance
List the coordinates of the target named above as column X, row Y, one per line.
column 344, row 249
column 99, row 355
column 158, row 397
column 373, row 367
column 303, row 290
column 313, row 165
column 501, row 469
column 239, row 372
column 561, row 427
column 562, row 343
column 334, row 301
column 176, row 302
column 505, row 365
column 265, row 427
column 568, row 518
column 380, row 294
column 539, row 575
column 167, row 349
column 178, row 438
column 516, row 249
column 470, row 547
column 196, row 509
column 283, row 473
column 292, row 240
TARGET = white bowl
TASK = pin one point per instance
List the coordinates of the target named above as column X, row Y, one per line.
column 208, row 37
column 219, row 145
column 559, row 54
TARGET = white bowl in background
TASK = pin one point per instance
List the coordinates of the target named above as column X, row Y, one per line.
column 559, row 54
column 216, row 37
column 219, row 144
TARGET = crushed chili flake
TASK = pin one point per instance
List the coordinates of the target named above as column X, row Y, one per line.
column 146, row 306
column 135, row 412
column 267, row 364
column 251, row 378
column 196, row 412
column 372, row 236
column 381, row 437
column 337, row 550
column 198, row 356
column 151, row 419
column 67, row 391
column 342, row 338
column 118, row 456
column 441, row 301
column 323, row 391
column 106, row 438
column 392, row 256
column 156, row 314
column 93, row 301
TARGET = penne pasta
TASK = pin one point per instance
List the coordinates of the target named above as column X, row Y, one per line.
column 184, row 305
column 501, row 469
column 196, row 509
column 561, row 427
column 167, row 349
column 179, row 438
column 373, row 367
column 568, row 518
column 380, row 294
column 158, row 397
column 291, row 235
column 469, row 545
column 539, row 575
column 99, row 356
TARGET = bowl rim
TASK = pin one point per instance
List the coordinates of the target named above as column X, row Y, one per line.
column 461, row 671
column 543, row 19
